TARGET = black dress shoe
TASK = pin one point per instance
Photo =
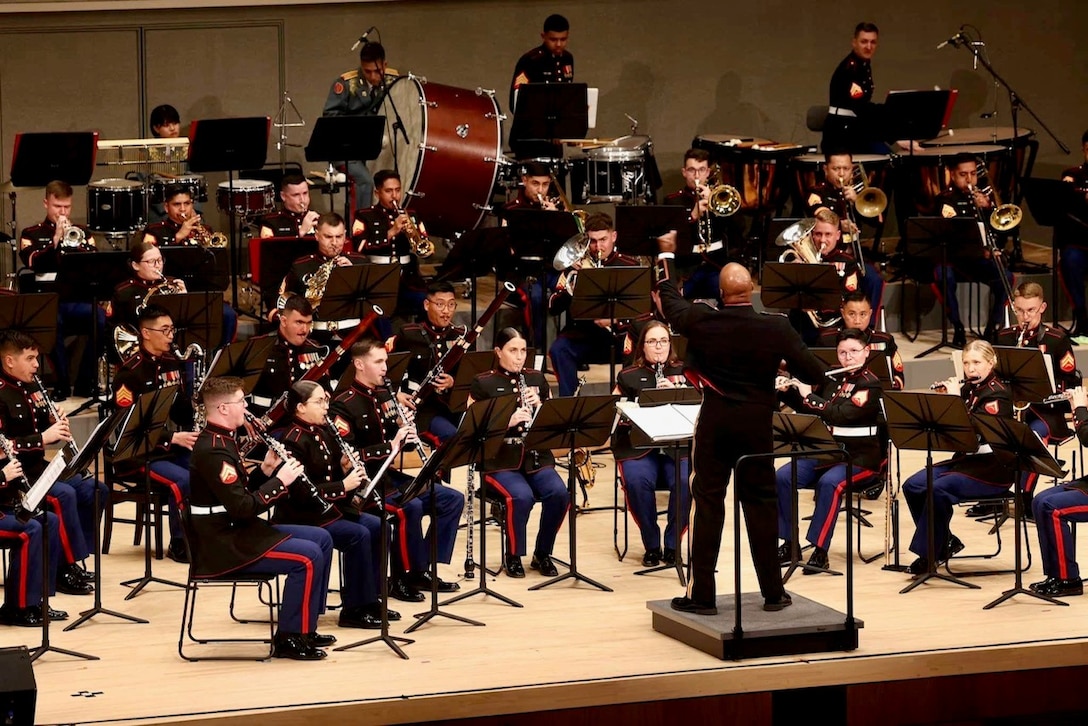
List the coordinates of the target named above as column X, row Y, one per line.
column 56, row 614
column 318, row 640
column 295, row 646
column 401, row 590
column 514, row 567
column 785, row 553
column 70, row 583
column 955, row 546
column 177, row 551
column 874, row 491
column 652, row 558
column 817, row 559
column 668, row 556
column 919, row 566
column 28, row 617
column 422, row 581
column 774, row 604
column 1063, row 588
column 687, row 605
column 1040, row 586
column 959, row 337
column 359, row 618
column 375, row 609
column 985, row 509
column 544, row 564
column 80, row 572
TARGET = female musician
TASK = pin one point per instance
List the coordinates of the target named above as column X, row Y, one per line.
column 642, row 469
column 968, row 474
column 850, row 405
column 357, row 535
column 521, row 476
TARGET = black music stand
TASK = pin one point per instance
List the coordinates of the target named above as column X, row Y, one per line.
column 475, row 254
column 140, row 429
column 929, row 422
column 930, row 238
column 1054, row 203
column 915, row 115
column 612, row 293
column 87, row 457
column 352, row 291
column 638, row 227
column 202, row 268
column 39, row 158
column 1026, row 372
column 1018, row 441
column 649, row 398
column 572, row 423
column 245, row 359
column 800, row 286
column 341, row 139
column 471, row 364
column 277, row 256
column 548, row 111
column 229, row 144
column 198, row 317
column 34, row 314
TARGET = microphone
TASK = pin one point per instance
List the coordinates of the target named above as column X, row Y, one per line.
column 362, row 38
column 954, row 41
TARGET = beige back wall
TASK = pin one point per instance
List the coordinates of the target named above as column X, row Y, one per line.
column 681, row 68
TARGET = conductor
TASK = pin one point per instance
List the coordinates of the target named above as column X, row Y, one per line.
column 733, row 355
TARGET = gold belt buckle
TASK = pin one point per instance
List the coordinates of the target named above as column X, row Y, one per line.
column 332, row 326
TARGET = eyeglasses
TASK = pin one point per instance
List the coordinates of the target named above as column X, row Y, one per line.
column 166, row 330
column 657, row 343
column 452, row 305
column 324, row 401
column 241, row 400
column 155, row 262
column 851, row 351
column 696, row 170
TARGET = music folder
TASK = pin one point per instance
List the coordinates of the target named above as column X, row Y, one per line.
column 660, row 424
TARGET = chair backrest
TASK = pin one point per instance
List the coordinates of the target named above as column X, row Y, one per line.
column 816, row 117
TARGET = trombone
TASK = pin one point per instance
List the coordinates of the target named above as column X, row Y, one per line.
column 869, row 202
column 722, row 200
column 1003, row 218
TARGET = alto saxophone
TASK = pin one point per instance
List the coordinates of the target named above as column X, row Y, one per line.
column 316, row 282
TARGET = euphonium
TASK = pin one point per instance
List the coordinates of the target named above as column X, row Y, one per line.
column 126, row 339
column 802, row 248
column 421, row 246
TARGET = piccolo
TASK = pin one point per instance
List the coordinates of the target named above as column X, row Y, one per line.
column 940, row 385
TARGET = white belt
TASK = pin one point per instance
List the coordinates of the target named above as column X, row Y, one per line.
column 385, row 260
column 712, row 247
column 984, row 449
column 333, row 325
column 46, row 277
column 853, row 431
column 265, row 401
column 197, row 509
column 836, row 111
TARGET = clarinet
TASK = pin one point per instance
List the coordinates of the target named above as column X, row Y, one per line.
column 470, row 545
column 21, row 512
column 349, row 453
column 70, row 450
column 277, row 447
column 523, row 393
column 659, row 374
column 404, row 416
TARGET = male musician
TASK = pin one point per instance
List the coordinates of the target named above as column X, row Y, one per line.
column 850, row 406
column 702, row 284
column 40, row 248
column 850, row 94
column 24, row 420
column 1046, row 420
column 382, row 233
column 295, row 218
column 428, row 341
column 1053, row 510
column 550, row 62
column 293, row 354
column 367, row 417
column 360, row 92
column 183, row 227
column 1071, row 237
column 735, row 353
column 858, row 313
column 229, row 535
column 583, row 341
column 827, row 234
column 153, row 366
column 963, row 199
column 835, row 192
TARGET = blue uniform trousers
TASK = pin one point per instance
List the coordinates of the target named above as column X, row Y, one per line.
column 521, row 491
column 356, row 540
column 23, row 580
column 173, row 473
column 1073, row 266
column 410, row 547
column 639, row 478
column 305, row 557
column 949, row 488
column 1054, row 509
column 72, row 500
column 830, row 485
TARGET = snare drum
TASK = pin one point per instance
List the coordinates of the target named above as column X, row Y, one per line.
column 617, row 172
column 808, row 172
column 195, row 184
column 246, row 197
column 926, row 174
column 116, row 205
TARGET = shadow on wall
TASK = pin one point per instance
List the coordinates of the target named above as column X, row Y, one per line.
column 733, row 115
column 974, row 91
column 636, row 87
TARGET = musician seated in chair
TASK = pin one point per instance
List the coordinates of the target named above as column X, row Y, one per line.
column 850, row 405
column 40, row 249
column 293, row 353
column 643, row 469
column 974, row 264
column 388, row 233
column 26, row 421
column 521, row 476
column 183, row 226
column 295, row 218
column 857, row 313
column 968, row 474
column 369, row 419
column 155, row 365
column 1071, row 238
column 1053, row 509
column 585, row 341
column 149, row 279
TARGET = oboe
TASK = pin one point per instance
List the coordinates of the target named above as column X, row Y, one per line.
column 277, row 448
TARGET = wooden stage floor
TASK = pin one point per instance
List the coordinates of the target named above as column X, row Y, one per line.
column 571, row 646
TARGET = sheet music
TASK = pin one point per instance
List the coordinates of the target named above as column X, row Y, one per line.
column 670, row 422
column 37, row 493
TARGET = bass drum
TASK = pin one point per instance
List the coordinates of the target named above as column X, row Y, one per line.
column 447, row 151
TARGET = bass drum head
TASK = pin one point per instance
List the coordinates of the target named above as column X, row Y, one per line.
column 447, row 151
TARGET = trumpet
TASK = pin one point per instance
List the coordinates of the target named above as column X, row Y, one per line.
column 203, row 235
column 421, row 246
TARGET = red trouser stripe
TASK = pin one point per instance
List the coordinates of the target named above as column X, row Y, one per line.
column 402, row 534
column 1059, row 535
column 169, row 484
column 860, row 476
column 24, row 561
column 62, row 527
column 308, row 583
column 511, row 530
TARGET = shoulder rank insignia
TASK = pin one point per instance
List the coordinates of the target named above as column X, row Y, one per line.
column 992, row 407
column 123, row 397
column 228, row 474
column 1068, row 362
column 341, row 425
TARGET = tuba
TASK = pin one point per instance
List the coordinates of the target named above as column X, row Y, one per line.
column 802, row 248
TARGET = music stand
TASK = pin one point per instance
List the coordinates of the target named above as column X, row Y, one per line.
column 201, row 268
column 198, row 317
column 1026, row 371
column 929, row 422
column 39, row 158
column 572, row 423
column 1017, row 440
column 916, row 115
column 800, row 286
column 929, row 238
column 612, row 293
column 229, row 144
column 352, row 291
column 277, row 256
column 34, row 314
column 245, row 359
column 141, row 427
column 471, row 364
column 550, row 111
column 1052, row 203
column 341, row 139
column 474, row 254
column 638, row 227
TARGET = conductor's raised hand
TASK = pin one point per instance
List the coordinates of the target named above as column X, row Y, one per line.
column 667, row 242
